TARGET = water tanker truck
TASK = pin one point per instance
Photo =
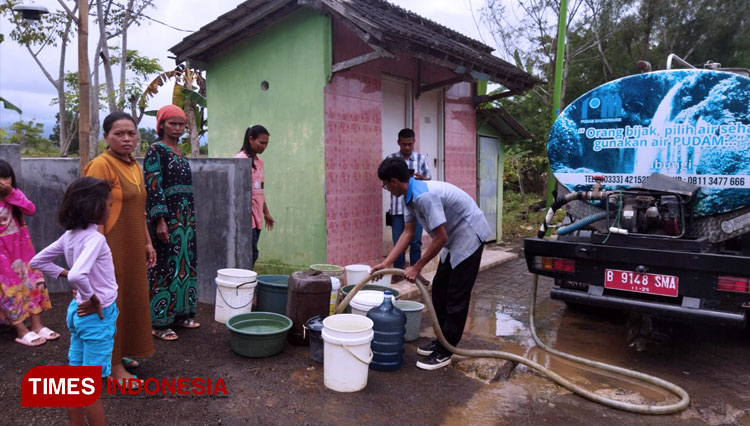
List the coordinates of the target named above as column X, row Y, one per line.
column 653, row 174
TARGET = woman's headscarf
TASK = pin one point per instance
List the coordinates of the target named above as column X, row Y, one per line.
column 167, row 112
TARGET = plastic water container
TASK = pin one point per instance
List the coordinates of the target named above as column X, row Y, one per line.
column 385, row 280
column 314, row 328
column 335, row 285
column 389, row 326
column 330, row 270
column 356, row 273
column 413, row 311
column 272, row 293
column 346, row 352
column 309, row 295
column 235, row 289
column 365, row 300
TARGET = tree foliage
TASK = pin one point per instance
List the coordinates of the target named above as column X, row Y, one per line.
column 28, row 134
column 58, row 28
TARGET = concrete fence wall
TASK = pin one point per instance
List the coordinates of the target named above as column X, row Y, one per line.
column 222, row 193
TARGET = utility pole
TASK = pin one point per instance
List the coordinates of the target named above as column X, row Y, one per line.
column 84, row 127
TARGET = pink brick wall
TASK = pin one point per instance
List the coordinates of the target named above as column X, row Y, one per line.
column 352, row 147
column 461, row 139
column 353, row 102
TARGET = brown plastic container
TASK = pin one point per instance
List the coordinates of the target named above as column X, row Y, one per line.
column 309, row 295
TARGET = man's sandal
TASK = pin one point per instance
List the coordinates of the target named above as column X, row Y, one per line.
column 166, row 334
column 187, row 323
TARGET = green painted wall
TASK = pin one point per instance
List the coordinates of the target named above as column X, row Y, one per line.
column 488, row 131
column 294, row 57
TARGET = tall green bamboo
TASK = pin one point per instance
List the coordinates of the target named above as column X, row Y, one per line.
column 557, row 94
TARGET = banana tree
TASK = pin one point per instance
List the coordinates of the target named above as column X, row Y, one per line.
column 189, row 93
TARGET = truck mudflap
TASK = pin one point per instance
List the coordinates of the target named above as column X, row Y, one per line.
column 583, row 272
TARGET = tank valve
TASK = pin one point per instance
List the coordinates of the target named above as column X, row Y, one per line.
column 596, row 192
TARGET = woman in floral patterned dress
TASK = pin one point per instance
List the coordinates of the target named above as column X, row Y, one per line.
column 171, row 216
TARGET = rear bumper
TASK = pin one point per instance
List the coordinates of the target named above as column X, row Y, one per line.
column 698, row 298
column 734, row 319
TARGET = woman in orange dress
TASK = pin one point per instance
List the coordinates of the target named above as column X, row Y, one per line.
column 128, row 238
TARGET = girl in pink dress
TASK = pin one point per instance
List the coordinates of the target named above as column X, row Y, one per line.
column 23, row 294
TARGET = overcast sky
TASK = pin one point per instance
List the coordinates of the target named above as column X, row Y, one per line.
column 24, row 84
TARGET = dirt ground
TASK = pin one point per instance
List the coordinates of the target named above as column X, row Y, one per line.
column 711, row 364
column 283, row 389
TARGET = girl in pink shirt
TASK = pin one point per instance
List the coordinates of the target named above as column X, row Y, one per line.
column 93, row 312
column 23, row 294
column 254, row 143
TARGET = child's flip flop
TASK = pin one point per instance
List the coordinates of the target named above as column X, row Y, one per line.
column 29, row 338
column 48, row 334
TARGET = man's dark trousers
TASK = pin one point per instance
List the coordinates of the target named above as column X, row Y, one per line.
column 451, row 293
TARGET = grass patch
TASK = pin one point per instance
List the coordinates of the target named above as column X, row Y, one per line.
column 518, row 221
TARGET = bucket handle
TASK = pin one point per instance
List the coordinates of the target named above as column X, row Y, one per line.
column 357, row 356
column 236, row 293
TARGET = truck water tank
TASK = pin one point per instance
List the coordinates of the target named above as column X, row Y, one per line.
column 689, row 124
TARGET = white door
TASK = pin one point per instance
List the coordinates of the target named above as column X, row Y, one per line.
column 396, row 115
column 487, row 171
column 432, row 131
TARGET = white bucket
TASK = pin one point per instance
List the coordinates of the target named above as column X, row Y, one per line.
column 356, row 273
column 346, row 352
column 234, row 293
column 335, row 285
column 365, row 300
column 413, row 311
column 385, row 280
column 237, row 276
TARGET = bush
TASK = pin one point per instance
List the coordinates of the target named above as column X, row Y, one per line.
column 28, row 134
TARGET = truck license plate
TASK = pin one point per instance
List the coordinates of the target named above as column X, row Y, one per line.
column 662, row 285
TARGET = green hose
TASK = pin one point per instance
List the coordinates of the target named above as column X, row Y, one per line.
column 482, row 353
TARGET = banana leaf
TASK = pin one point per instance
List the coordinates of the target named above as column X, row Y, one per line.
column 194, row 96
column 10, row 106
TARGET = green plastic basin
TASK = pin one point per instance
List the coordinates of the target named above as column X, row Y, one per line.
column 272, row 293
column 330, row 270
column 258, row 334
